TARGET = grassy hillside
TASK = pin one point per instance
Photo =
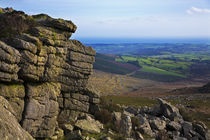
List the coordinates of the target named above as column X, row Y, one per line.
column 110, row 84
column 107, row 63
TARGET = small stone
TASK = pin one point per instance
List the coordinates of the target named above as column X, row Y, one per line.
column 157, row 124
column 67, row 128
column 179, row 138
column 90, row 125
column 174, row 126
column 139, row 136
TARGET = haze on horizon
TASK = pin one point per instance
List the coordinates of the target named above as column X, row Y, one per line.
column 126, row 18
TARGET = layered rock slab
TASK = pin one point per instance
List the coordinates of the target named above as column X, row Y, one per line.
column 41, row 109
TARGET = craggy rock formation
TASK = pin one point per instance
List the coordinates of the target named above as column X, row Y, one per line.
column 162, row 122
column 43, row 74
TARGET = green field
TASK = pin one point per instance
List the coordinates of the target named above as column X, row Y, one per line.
column 160, row 62
column 159, row 66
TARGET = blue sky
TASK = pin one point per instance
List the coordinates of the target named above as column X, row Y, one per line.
column 126, row 18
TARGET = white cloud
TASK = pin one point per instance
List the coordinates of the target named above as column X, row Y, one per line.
column 143, row 26
column 194, row 10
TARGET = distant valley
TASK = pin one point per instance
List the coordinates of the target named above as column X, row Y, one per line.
column 158, row 62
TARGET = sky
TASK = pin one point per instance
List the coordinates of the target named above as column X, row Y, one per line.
column 126, row 18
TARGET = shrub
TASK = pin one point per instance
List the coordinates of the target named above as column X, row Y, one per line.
column 187, row 116
column 15, row 23
column 109, row 105
column 104, row 116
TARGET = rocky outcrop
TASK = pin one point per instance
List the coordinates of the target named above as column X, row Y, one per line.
column 161, row 122
column 43, row 73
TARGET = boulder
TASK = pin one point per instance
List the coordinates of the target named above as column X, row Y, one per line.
column 157, row 124
column 169, row 110
column 174, row 126
column 128, row 113
column 89, row 125
column 186, row 128
column 172, row 134
column 155, row 111
column 126, row 125
column 9, row 126
column 200, row 128
column 67, row 128
column 144, row 125
column 145, row 110
column 117, row 120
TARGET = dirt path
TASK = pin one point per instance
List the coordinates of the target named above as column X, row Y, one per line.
column 129, row 74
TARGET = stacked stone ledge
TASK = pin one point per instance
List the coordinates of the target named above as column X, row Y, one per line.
column 43, row 74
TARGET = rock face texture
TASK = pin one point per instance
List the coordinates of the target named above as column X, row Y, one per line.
column 9, row 126
column 43, row 74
